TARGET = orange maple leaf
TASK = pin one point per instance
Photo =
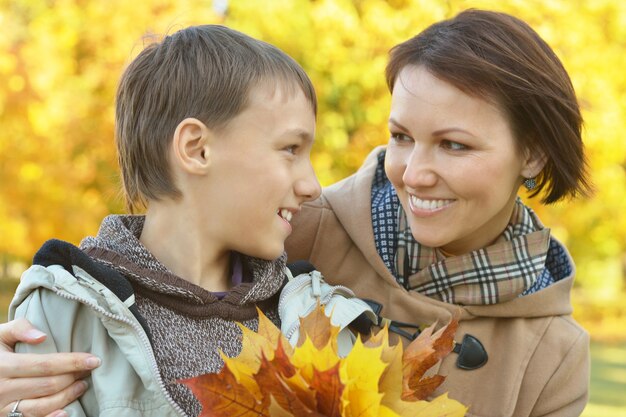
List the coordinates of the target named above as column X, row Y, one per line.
column 421, row 355
column 221, row 396
column 328, row 390
column 317, row 327
column 274, row 377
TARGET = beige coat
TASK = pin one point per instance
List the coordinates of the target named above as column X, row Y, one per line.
column 538, row 355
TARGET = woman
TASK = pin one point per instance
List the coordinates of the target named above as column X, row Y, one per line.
column 431, row 225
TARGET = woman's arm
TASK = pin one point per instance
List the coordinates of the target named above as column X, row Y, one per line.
column 567, row 391
column 44, row 382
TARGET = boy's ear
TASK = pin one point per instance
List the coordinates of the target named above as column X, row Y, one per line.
column 190, row 146
column 535, row 161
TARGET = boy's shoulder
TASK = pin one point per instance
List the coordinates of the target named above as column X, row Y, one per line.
column 61, row 264
column 70, row 257
column 59, row 252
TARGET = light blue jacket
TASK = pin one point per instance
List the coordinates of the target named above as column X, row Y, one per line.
column 80, row 314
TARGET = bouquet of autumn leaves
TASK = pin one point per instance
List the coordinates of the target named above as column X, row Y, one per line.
column 271, row 378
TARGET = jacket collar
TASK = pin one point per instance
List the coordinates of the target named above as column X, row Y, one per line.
column 117, row 245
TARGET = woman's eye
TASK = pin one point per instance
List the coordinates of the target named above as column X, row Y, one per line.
column 400, row 137
column 454, row 146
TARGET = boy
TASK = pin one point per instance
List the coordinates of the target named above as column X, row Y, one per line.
column 214, row 131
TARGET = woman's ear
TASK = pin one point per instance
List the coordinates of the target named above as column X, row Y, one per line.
column 535, row 161
column 190, row 146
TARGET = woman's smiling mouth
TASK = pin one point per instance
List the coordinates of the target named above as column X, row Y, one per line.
column 428, row 205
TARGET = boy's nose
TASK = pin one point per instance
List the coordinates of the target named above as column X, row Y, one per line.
column 308, row 186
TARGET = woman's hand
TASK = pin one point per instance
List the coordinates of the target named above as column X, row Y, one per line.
column 45, row 383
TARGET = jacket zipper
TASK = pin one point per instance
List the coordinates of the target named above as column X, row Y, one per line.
column 144, row 338
column 300, row 283
column 303, row 283
column 296, row 287
column 296, row 325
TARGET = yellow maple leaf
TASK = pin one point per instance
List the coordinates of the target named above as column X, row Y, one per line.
column 391, row 381
column 307, row 357
column 441, row 406
column 358, row 402
column 363, row 367
column 254, row 345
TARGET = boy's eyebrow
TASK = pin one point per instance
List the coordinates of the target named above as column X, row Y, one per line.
column 303, row 134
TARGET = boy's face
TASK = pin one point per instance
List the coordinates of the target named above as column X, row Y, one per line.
column 261, row 173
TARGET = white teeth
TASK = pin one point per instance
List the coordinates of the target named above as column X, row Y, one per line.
column 286, row 214
column 428, row 204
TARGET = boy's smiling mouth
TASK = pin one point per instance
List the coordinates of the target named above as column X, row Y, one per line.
column 286, row 214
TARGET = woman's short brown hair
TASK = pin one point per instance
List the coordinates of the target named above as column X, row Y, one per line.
column 205, row 72
column 498, row 57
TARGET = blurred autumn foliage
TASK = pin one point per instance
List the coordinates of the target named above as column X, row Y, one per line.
column 60, row 61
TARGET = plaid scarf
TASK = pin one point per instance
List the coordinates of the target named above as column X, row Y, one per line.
column 493, row 274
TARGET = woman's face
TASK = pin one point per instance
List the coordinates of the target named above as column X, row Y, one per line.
column 453, row 161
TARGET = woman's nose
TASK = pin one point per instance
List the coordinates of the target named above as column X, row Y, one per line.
column 420, row 169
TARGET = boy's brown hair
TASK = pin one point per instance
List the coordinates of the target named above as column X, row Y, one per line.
column 205, row 72
column 500, row 58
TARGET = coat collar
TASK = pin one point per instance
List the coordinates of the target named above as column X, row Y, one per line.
column 354, row 213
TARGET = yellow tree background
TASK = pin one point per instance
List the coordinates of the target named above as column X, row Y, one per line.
column 60, row 62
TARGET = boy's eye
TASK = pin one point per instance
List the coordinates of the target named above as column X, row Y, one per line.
column 453, row 146
column 292, row 149
column 400, row 137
